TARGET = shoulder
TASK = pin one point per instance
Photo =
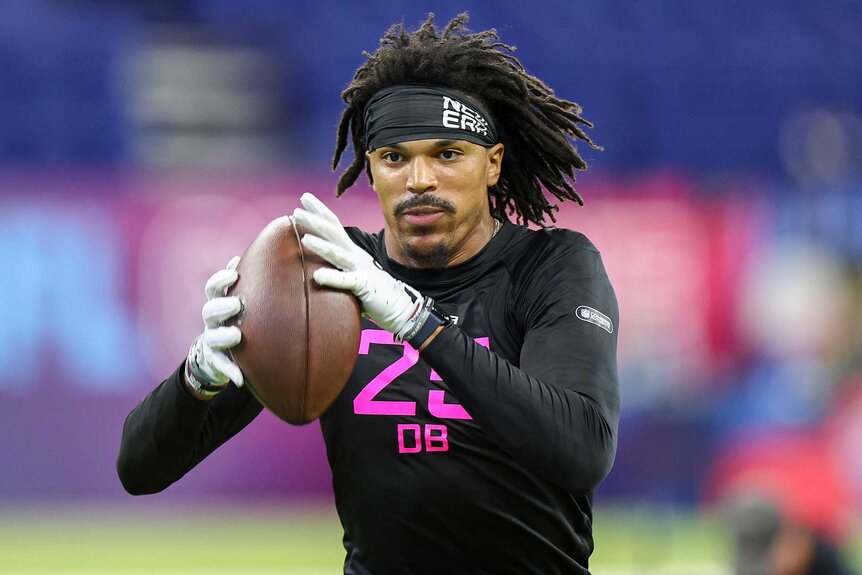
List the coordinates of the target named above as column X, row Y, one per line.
column 560, row 270
column 568, row 241
column 548, row 251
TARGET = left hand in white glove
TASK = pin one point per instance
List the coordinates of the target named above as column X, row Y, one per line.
column 392, row 304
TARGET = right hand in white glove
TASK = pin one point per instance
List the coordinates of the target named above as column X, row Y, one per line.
column 392, row 304
column 208, row 368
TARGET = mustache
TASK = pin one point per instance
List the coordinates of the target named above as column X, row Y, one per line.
column 423, row 201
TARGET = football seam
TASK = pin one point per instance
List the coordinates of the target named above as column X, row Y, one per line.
column 303, row 407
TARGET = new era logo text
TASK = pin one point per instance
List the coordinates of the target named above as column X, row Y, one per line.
column 459, row 116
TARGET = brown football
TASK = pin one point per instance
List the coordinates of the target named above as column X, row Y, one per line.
column 299, row 340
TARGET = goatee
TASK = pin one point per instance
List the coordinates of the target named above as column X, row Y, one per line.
column 438, row 257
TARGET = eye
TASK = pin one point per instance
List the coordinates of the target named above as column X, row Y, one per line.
column 449, row 154
column 391, row 157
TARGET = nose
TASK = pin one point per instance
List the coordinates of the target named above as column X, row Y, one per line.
column 420, row 177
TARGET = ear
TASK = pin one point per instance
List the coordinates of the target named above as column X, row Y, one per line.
column 368, row 170
column 495, row 163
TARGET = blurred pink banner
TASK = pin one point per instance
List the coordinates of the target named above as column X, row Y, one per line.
column 104, row 286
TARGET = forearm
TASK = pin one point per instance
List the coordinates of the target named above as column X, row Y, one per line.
column 562, row 435
column 171, row 431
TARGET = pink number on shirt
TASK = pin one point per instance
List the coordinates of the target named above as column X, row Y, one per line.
column 364, row 403
column 436, row 397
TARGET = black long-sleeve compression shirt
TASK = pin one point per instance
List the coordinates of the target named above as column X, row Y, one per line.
column 477, row 456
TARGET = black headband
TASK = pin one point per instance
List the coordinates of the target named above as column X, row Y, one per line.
column 413, row 112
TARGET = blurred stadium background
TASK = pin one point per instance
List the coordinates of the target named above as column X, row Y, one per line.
column 142, row 144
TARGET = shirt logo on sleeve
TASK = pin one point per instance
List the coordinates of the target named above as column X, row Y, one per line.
column 588, row 314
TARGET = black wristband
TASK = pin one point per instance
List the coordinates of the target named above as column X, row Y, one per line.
column 435, row 319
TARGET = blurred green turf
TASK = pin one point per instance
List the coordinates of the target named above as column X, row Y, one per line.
column 233, row 539
column 261, row 539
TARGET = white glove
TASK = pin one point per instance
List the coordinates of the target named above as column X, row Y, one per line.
column 208, row 367
column 392, row 304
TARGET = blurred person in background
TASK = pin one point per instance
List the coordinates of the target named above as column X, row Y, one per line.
column 506, row 485
column 786, row 486
column 767, row 541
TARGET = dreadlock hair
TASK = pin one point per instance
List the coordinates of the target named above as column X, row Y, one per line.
column 537, row 128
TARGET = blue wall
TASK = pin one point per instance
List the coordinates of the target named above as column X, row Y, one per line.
column 703, row 85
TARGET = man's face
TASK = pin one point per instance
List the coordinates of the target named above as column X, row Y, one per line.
column 434, row 196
